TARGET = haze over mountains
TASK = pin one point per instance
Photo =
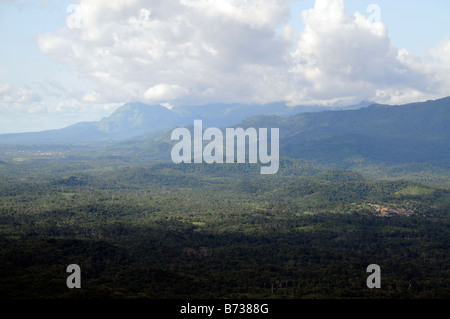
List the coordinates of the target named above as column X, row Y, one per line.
column 134, row 119
column 417, row 133
column 412, row 134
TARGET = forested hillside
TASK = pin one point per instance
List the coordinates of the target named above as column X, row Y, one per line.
column 203, row 231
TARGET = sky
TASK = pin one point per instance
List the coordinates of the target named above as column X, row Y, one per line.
column 63, row 62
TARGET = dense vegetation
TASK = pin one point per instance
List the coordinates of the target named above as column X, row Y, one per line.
column 361, row 187
column 218, row 231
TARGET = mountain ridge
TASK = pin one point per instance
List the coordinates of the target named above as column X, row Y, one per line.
column 415, row 133
column 135, row 118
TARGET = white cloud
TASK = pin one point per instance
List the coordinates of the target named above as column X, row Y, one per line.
column 163, row 92
column 257, row 14
column 432, row 70
column 441, row 52
column 5, row 89
column 186, row 51
column 18, row 95
column 346, row 57
column 161, row 50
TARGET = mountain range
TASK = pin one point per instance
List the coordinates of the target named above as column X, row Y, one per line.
column 411, row 133
column 416, row 135
column 134, row 119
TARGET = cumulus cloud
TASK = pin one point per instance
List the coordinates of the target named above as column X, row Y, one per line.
column 167, row 92
column 349, row 57
column 434, row 68
column 175, row 51
column 194, row 52
column 19, row 100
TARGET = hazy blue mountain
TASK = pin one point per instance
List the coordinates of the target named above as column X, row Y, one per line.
column 77, row 133
column 221, row 115
column 134, row 119
column 378, row 134
column 137, row 118
column 128, row 121
column 411, row 133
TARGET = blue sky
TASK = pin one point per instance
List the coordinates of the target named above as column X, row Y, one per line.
column 197, row 52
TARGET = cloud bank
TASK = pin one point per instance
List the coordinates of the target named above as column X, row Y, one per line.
column 203, row 51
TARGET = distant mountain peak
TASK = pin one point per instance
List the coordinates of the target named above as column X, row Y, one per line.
column 137, row 118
